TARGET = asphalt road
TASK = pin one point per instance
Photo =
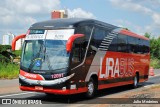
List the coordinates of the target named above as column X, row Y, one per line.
column 57, row 100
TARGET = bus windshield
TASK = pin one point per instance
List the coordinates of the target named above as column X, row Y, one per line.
column 44, row 55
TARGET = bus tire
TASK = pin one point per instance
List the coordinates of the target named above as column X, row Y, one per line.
column 91, row 88
column 135, row 81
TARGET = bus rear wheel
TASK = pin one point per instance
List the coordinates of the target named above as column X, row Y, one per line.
column 91, row 88
column 135, row 83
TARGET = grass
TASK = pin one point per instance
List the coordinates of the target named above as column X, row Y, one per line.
column 155, row 63
column 8, row 71
column 17, row 52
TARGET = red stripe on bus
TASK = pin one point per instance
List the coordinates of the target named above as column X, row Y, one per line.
column 114, row 84
column 55, row 91
column 129, row 33
column 31, row 76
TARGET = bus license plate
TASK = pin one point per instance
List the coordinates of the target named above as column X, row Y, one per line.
column 38, row 88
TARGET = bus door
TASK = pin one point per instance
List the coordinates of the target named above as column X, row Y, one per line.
column 77, row 62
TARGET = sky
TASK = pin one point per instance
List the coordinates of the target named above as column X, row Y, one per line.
column 139, row 16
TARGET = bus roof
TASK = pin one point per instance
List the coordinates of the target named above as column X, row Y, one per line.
column 68, row 23
column 129, row 33
column 72, row 22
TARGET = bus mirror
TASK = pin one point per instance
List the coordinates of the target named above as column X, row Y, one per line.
column 71, row 40
column 15, row 39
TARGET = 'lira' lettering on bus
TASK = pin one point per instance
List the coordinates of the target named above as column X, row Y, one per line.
column 118, row 67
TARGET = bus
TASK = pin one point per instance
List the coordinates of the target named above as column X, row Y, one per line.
column 77, row 55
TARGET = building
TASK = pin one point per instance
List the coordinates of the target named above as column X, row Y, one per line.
column 19, row 44
column 59, row 14
column 7, row 40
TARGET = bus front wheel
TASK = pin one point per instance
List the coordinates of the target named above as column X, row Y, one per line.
column 91, row 88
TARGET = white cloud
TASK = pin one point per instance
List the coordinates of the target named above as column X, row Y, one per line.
column 130, row 26
column 32, row 9
column 129, row 5
column 31, row 6
column 139, row 7
column 17, row 15
column 20, row 14
column 152, row 28
column 79, row 13
column 156, row 18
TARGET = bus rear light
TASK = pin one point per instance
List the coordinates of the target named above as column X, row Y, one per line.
column 71, row 40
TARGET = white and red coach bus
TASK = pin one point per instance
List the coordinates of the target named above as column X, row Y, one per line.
column 69, row 56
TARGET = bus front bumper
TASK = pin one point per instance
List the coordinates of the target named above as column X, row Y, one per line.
column 53, row 91
column 45, row 82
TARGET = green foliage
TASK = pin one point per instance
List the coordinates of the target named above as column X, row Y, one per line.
column 4, row 48
column 154, row 47
column 17, row 53
column 148, row 35
column 9, row 70
column 155, row 63
column 126, row 28
column 5, row 54
column 4, row 59
column 154, row 50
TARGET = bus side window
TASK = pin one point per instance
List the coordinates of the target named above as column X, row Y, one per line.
column 113, row 45
column 132, row 44
column 84, row 29
column 98, row 36
column 146, row 46
column 122, row 43
column 142, row 46
column 78, row 53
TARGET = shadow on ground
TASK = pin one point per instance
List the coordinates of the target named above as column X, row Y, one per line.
column 80, row 98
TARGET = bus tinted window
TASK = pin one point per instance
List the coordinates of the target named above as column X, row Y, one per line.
column 113, row 45
column 140, row 48
column 136, row 45
column 98, row 36
column 84, row 29
column 133, row 45
column 121, row 43
column 146, row 46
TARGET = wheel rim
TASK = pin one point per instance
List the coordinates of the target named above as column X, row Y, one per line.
column 135, row 81
column 90, row 88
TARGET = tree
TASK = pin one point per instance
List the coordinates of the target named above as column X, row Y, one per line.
column 5, row 54
column 148, row 35
column 154, row 46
